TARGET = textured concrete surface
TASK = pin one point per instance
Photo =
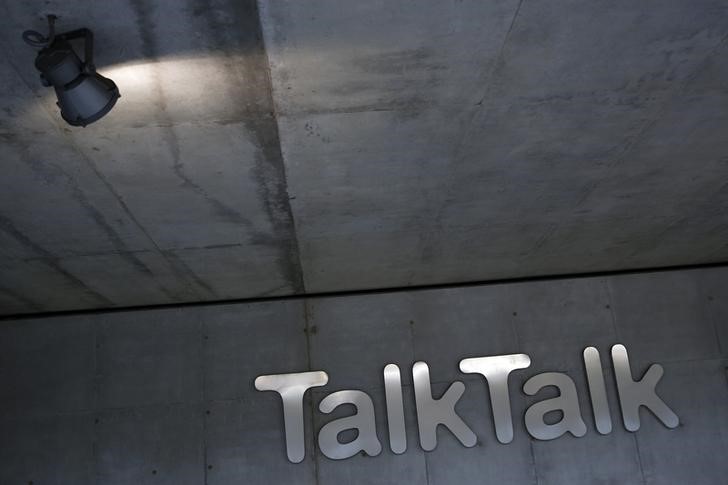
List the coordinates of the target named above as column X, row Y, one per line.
column 467, row 140
column 279, row 147
column 180, row 197
column 167, row 396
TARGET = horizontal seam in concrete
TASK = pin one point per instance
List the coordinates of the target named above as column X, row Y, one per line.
column 374, row 291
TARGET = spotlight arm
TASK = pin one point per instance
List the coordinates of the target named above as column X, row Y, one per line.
column 36, row 39
column 88, row 42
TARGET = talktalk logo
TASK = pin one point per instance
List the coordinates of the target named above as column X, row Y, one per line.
column 433, row 412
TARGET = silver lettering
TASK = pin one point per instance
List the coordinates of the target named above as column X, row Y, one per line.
column 633, row 394
column 291, row 388
column 433, row 412
column 597, row 390
column 567, row 402
column 363, row 421
column 496, row 370
column 395, row 409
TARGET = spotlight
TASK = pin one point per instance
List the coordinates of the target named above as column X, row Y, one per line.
column 84, row 96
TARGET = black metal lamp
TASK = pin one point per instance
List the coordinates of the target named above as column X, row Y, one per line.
column 84, row 96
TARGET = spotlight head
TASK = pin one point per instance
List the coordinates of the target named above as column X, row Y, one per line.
column 84, row 96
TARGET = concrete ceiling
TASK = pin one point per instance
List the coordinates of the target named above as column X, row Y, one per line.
column 312, row 146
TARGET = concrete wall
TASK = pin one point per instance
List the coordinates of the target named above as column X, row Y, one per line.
column 166, row 396
column 279, row 147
